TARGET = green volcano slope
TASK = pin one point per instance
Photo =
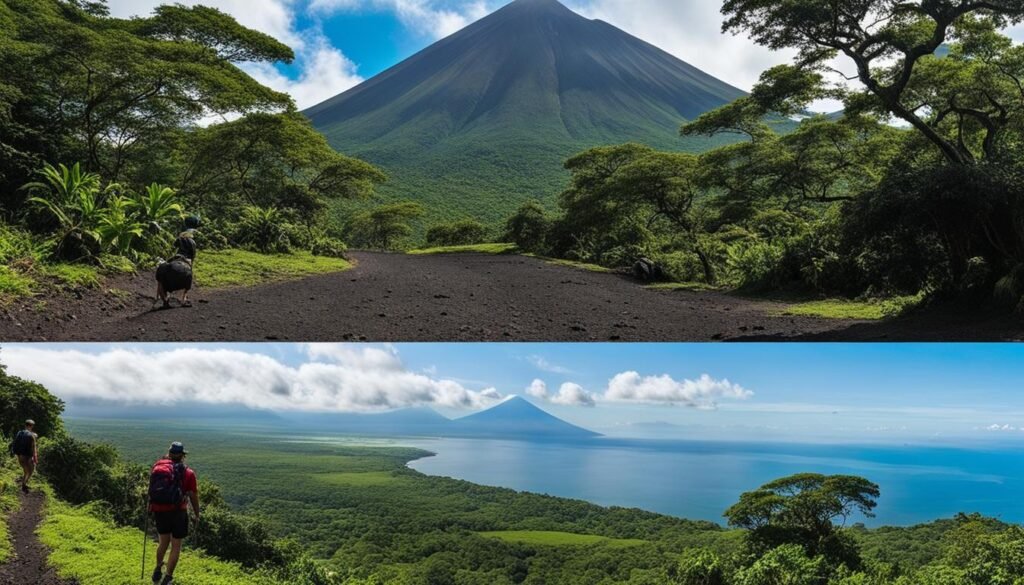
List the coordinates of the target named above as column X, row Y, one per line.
column 482, row 120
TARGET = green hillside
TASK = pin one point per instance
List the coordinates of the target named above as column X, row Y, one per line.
column 484, row 119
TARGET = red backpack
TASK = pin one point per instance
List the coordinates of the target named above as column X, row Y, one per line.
column 166, row 483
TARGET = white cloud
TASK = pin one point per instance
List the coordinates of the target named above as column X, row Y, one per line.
column 537, row 389
column 1002, row 428
column 337, row 378
column 323, row 70
column 704, row 392
column 569, row 394
column 690, row 30
column 544, row 365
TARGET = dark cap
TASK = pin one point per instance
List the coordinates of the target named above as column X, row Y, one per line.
column 177, row 449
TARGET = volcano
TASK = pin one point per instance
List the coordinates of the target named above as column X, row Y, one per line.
column 484, row 119
column 517, row 418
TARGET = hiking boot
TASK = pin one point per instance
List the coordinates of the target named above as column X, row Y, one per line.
column 24, row 488
column 157, row 574
column 168, row 580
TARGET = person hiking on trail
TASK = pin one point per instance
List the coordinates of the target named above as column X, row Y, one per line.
column 176, row 273
column 172, row 487
column 25, row 449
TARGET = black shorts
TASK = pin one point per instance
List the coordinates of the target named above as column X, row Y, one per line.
column 173, row 523
column 175, row 275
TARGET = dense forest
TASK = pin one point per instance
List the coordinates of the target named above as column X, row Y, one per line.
column 322, row 513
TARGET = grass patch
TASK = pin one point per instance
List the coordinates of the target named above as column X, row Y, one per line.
column 224, row 268
column 14, row 284
column 72, row 274
column 95, row 552
column 684, row 286
column 470, row 249
column 364, row 479
column 577, row 265
column 550, row 538
column 871, row 310
column 8, row 504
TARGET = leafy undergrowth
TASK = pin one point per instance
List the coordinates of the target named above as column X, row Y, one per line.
column 225, row 268
column 550, row 538
column 8, row 504
column 870, row 310
column 95, row 552
column 470, row 249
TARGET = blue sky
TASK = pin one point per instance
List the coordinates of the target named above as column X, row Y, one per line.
column 815, row 392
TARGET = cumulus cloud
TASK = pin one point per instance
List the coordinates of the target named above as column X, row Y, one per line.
column 336, row 378
column 324, row 73
column 705, row 392
column 569, row 394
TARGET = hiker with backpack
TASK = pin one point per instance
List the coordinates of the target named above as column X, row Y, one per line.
column 24, row 447
column 172, row 487
column 176, row 273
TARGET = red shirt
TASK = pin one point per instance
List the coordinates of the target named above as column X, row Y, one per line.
column 188, row 485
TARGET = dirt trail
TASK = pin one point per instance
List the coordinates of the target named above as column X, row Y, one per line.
column 459, row 297
column 29, row 565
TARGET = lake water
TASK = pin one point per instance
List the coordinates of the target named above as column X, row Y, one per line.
column 699, row 480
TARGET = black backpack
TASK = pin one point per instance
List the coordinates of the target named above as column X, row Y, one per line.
column 22, row 443
column 185, row 246
column 166, row 483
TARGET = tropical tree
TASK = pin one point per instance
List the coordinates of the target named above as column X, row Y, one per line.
column 384, row 227
column 621, row 195
column 272, row 160
column 21, row 399
column 803, row 509
column 892, row 46
column 528, row 227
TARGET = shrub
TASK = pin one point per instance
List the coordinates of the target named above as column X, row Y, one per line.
column 263, row 230
column 329, row 247
column 700, row 568
column 457, row 233
column 785, row 565
column 82, row 472
column 528, row 228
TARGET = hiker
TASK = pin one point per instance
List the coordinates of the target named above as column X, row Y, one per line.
column 25, row 449
column 172, row 487
column 176, row 273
